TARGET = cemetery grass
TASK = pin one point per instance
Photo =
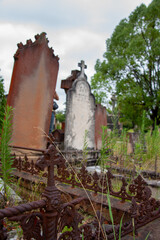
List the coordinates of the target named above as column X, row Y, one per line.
column 95, row 214
column 146, row 155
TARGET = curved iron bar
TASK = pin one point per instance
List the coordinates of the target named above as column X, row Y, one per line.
column 16, row 210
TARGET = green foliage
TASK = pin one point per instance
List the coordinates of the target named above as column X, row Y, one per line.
column 104, row 149
column 109, row 140
column 110, row 214
column 5, row 150
column 58, row 127
column 133, row 224
column 67, row 229
column 131, row 66
column 1, row 89
column 110, row 211
column 140, row 144
column 120, row 227
column 124, row 142
column 85, row 148
column 147, row 236
column 152, row 142
column 60, row 116
column 2, row 101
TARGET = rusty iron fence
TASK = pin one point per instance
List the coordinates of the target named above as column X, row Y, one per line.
column 49, row 218
column 82, row 178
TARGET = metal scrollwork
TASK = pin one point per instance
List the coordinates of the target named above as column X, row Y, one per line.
column 71, row 219
column 31, row 224
column 56, row 216
column 82, row 178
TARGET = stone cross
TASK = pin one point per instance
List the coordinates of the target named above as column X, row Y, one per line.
column 82, row 66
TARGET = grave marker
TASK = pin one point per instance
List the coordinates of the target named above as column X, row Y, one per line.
column 100, row 120
column 80, row 114
column 31, row 92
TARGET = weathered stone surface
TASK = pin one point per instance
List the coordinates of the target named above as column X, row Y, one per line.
column 80, row 114
column 66, row 84
column 31, row 92
column 100, row 120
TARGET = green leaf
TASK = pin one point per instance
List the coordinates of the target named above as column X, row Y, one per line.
column 131, row 67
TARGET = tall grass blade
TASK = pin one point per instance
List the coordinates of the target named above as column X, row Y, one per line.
column 120, row 227
column 147, row 236
column 110, row 214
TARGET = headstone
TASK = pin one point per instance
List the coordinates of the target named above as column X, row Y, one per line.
column 66, row 84
column 80, row 114
column 100, row 120
column 32, row 91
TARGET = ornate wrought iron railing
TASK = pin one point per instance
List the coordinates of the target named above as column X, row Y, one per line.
column 82, row 178
column 47, row 218
column 52, row 216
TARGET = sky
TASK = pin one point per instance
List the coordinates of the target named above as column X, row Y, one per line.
column 77, row 30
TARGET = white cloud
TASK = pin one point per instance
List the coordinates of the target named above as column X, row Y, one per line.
column 74, row 45
column 11, row 34
column 29, row 3
column 71, row 46
column 76, row 30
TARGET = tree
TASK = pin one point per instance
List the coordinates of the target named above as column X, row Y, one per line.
column 131, row 66
column 2, row 102
column 60, row 116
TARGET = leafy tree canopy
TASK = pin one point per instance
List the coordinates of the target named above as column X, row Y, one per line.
column 60, row 116
column 131, row 66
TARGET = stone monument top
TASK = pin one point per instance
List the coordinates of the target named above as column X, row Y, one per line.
column 82, row 66
column 67, row 83
column 32, row 90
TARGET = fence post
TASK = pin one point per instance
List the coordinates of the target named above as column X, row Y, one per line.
column 51, row 211
column 50, row 217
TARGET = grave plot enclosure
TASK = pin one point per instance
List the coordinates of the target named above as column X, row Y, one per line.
column 52, row 215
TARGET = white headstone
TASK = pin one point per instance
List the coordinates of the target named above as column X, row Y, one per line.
column 80, row 114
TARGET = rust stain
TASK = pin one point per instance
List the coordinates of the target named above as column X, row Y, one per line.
column 31, row 92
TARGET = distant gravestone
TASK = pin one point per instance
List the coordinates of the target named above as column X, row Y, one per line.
column 31, row 92
column 100, row 120
column 80, row 114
